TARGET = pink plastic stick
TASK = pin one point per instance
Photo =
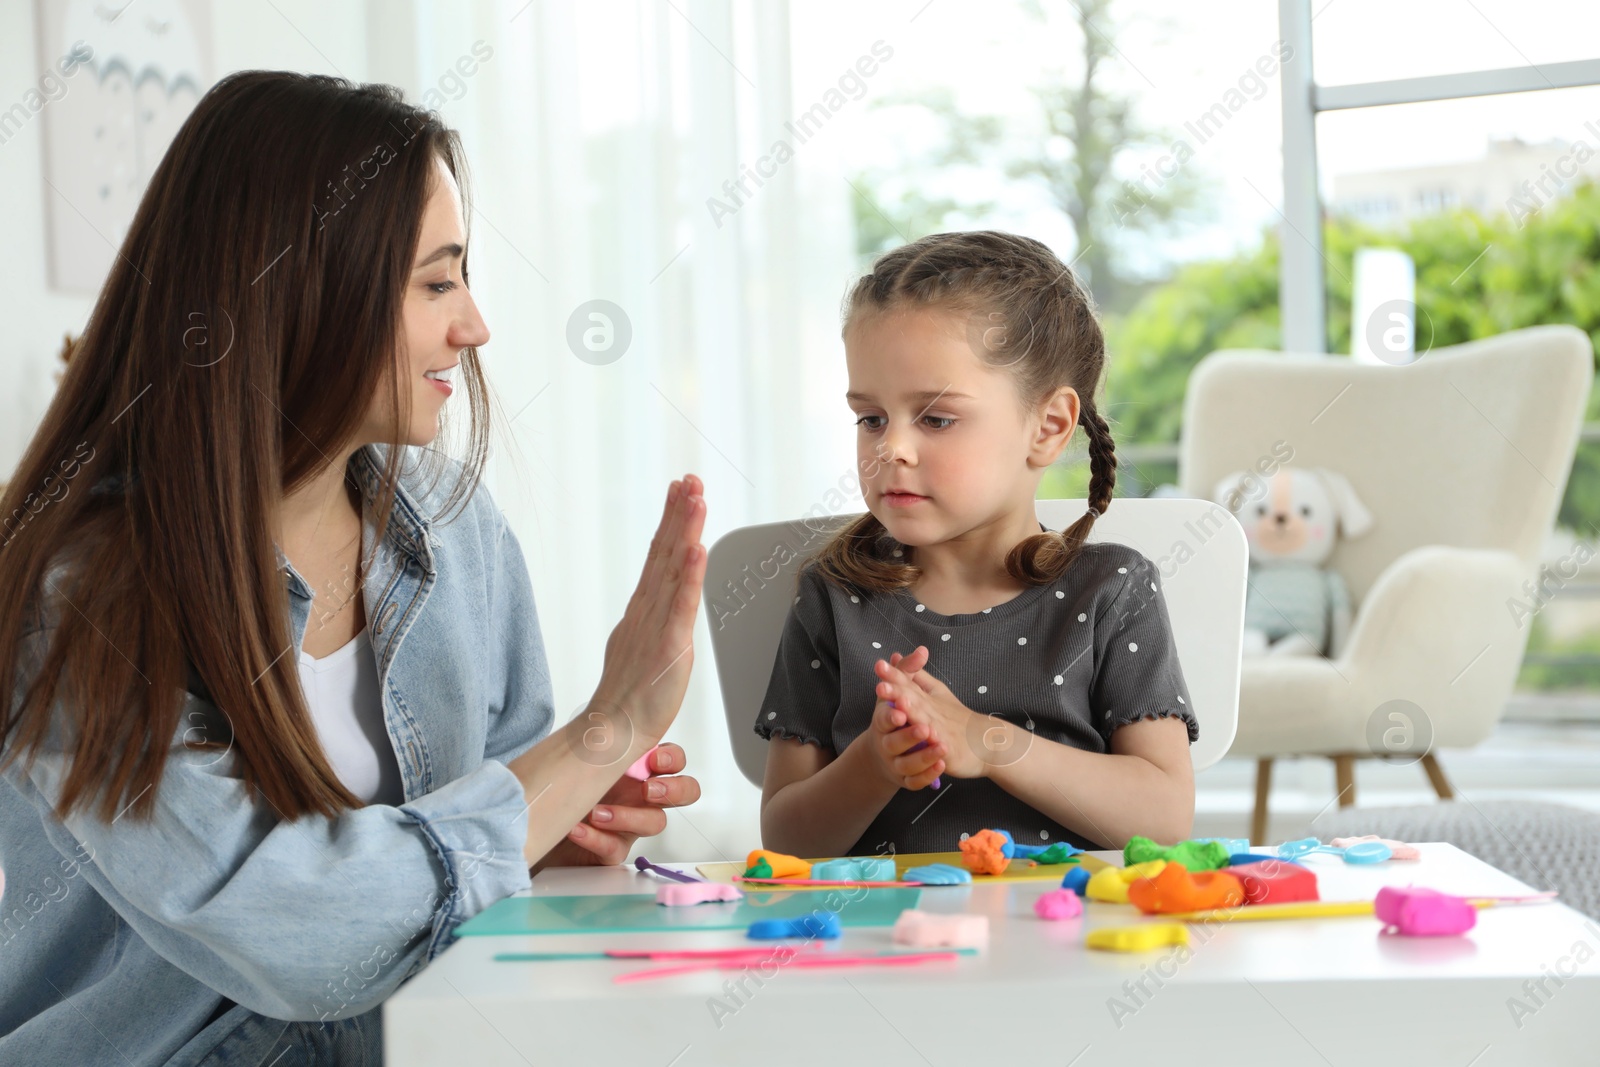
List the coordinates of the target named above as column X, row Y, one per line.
column 815, row 881
column 892, row 960
column 1531, row 898
column 668, row 972
column 700, row 953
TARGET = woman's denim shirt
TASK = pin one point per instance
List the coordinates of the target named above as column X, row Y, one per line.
column 121, row 940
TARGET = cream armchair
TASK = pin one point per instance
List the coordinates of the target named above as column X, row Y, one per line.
column 1462, row 458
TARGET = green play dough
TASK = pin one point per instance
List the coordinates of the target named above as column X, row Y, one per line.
column 762, row 869
column 1194, row 855
column 1056, row 853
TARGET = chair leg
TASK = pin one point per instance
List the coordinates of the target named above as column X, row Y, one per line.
column 1258, row 822
column 1441, row 784
column 1344, row 777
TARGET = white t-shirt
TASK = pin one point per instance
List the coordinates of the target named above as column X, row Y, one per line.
column 341, row 690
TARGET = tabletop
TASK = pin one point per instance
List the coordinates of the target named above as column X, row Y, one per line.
column 1522, row 987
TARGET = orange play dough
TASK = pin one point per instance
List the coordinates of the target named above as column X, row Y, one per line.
column 1176, row 889
column 782, row 866
column 982, row 853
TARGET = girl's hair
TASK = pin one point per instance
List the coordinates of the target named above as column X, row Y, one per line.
column 1030, row 315
column 251, row 313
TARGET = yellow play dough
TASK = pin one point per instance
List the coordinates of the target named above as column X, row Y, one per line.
column 1111, row 884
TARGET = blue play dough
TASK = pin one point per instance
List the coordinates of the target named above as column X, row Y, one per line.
column 820, row 924
column 1075, row 880
column 1240, row 859
column 938, row 874
column 1233, row 844
column 855, row 869
column 1009, row 849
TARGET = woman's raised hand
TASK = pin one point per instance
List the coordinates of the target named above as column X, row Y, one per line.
column 649, row 654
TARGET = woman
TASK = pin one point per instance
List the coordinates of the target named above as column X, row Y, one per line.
column 281, row 714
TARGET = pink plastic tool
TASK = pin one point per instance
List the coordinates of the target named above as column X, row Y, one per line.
column 708, row 953
column 641, row 767
column 681, row 895
column 816, row 881
column 828, row 960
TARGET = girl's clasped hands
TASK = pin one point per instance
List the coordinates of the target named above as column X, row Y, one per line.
column 915, row 707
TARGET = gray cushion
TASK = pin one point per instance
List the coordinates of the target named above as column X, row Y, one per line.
column 1548, row 846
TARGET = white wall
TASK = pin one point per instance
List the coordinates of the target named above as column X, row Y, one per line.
column 735, row 373
column 33, row 317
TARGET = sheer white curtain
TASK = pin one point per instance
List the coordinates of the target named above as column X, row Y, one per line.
column 596, row 135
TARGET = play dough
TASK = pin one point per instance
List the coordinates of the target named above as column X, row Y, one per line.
column 1076, row 880
column 938, row 874
column 1417, row 912
column 1194, row 855
column 764, row 864
column 1111, row 884
column 926, row 929
column 984, row 852
column 1137, row 938
column 1060, row 852
column 1058, row 904
column 682, row 894
column 819, row 924
column 1176, row 889
column 854, row 869
column 641, row 767
column 1270, row 881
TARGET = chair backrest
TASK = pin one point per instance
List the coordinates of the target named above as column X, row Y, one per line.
column 1199, row 548
column 1469, row 446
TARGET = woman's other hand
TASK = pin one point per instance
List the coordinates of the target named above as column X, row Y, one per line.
column 631, row 809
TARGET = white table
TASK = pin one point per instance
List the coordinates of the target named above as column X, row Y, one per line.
column 1279, row 993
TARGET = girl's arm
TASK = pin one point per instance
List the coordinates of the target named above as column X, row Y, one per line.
column 1144, row 785
column 814, row 803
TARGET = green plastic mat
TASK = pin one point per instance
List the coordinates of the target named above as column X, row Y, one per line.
column 639, row 913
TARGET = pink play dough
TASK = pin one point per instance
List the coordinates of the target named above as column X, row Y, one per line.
column 1058, row 904
column 682, row 894
column 1417, row 912
column 926, row 929
column 641, row 767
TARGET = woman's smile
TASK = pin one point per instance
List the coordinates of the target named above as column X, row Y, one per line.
column 441, row 378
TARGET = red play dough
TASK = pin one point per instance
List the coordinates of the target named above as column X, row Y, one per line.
column 1275, row 882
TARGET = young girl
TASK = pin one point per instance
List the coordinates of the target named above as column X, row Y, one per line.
column 1039, row 685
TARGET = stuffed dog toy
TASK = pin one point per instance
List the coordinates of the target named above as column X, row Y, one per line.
column 1292, row 519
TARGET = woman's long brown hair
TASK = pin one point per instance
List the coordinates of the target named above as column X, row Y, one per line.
column 1030, row 315
column 252, row 312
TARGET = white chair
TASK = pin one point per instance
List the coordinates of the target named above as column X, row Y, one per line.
column 1199, row 548
column 1461, row 457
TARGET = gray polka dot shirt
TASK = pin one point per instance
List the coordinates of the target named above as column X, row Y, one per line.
column 1071, row 662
